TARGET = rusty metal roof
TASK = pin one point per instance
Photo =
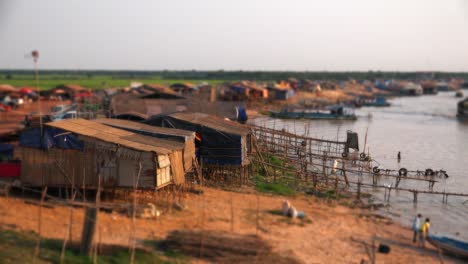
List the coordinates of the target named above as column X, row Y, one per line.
column 124, row 124
column 213, row 122
column 7, row 88
column 117, row 136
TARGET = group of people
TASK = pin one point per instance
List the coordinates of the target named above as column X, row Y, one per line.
column 421, row 230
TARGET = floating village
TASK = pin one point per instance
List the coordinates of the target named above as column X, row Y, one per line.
column 182, row 168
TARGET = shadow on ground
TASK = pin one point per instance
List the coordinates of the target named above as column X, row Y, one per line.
column 19, row 247
column 220, row 247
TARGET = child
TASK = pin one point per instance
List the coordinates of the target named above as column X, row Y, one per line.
column 424, row 232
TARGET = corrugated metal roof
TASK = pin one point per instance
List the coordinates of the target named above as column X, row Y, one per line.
column 144, row 127
column 214, row 122
column 133, row 113
column 117, row 136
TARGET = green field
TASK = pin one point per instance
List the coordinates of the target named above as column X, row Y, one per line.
column 47, row 81
column 18, row 247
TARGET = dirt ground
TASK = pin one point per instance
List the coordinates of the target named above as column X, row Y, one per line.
column 330, row 233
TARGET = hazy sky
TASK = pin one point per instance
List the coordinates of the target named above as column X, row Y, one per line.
column 311, row 35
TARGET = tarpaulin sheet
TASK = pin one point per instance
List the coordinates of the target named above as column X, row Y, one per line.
column 51, row 137
column 215, row 147
column 6, row 151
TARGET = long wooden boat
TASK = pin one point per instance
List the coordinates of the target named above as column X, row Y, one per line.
column 377, row 102
column 449, row 245
column 462, row 110
column 330, row 114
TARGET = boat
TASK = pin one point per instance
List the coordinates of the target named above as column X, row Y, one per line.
column 337, row 112
column 377, row 102
column 462, row 110
column 449, row 245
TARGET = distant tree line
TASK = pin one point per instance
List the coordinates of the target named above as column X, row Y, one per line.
column 231, row 75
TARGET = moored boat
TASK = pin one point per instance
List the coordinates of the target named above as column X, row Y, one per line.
column 377, row 102
column 462, row 110
column 332, row 113
column 449, row 245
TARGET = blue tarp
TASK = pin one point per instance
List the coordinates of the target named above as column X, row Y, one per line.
column 51, row 137
column 6, row 151
column 241, row 114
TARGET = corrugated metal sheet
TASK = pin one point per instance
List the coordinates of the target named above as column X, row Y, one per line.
column 117, row 136
column 144, row 128
column 187, row 136
column 213, row 122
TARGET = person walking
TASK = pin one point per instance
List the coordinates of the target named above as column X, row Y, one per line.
column 399, row 156
column 424, row 232
column 416, row 227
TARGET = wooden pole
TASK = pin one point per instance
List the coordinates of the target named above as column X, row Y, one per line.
column 39, row 225
column 68, row 236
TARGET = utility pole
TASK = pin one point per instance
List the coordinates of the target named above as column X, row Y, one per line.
column 35, row 55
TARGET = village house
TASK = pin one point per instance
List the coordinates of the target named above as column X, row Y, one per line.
column 218, row 141
column 280, row 91
column 69, row 91
column 76, row 152
column 243, row 90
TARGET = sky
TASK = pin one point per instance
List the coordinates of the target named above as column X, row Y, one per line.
column 293, row 35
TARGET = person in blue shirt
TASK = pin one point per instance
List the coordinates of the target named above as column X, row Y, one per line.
column 416, row 227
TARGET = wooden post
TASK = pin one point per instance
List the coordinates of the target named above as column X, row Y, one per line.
column 39, row 227
column 398, row 179
column 324, row 170
column 212, row 94
column 89, row 228
column 359, row 190
column 344, row 173
column 336, row 187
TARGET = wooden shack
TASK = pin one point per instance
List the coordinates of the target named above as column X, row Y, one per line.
column 223, row 147
column 77, row 152
column 219, row 141
column 178, row 135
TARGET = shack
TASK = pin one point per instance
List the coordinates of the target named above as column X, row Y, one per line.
column 178, row 135
column 219, row 141
column 223, row 147
column 68, row 91
column 281, row 91
column 77, row 152
column 156, row 91
column 184, row 88
column 7, row 89
column 246, row 90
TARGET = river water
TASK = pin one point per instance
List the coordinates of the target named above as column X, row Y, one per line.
column 428, row 135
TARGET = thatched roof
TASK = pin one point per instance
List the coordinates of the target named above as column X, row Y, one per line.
column 117, row 136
